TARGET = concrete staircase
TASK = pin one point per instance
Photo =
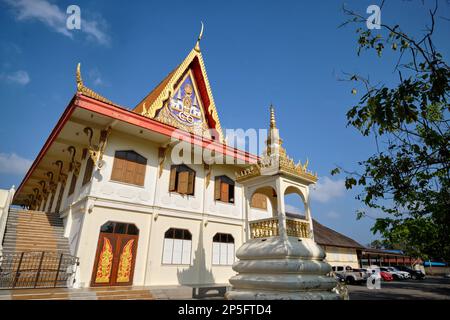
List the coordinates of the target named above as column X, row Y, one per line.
column 28, row 230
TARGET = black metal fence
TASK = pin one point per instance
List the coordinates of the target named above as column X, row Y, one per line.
column 41, row 269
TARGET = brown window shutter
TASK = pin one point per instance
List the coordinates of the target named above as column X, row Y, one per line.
column 117, row 170
column 259, row 201
column 217, row 188
column 224, row 192
column 140, row 174
column 130, row 171
column 191, row 183
column 183, row 181
column 129, row 167
column 173, row 179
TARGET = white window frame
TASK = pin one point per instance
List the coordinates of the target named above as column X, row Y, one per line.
column 185, row 255
column 220, row 246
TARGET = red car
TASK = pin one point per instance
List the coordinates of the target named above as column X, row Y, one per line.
column 386, row 276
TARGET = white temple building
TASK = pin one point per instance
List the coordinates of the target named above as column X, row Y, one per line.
column 129, row 212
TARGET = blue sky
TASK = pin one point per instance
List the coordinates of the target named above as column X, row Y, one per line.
column 288, row 53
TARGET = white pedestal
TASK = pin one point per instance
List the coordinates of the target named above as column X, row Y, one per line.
column 277, row 268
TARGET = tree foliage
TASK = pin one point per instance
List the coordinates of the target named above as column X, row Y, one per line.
column 408, row 177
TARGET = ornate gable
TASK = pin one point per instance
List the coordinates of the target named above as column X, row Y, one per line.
column 184, row 99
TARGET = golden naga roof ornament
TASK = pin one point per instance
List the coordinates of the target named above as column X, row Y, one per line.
column 81, row 88
column 275, row 159
column 197, row 45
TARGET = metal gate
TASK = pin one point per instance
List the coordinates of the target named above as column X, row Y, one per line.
column 37, row 269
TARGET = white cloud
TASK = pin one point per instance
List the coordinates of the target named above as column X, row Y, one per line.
column 11, row 163
column 327, row 189
column 55, row 18
column 96, row 77
column 333, row 215
column 293, row 209
column 19, row 77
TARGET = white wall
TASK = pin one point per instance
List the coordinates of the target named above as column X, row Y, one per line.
column 89, row 237
column 154, row 210
column 104, row 187
column 201, row 269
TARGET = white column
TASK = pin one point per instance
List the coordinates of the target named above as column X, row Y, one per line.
column 308, row 214
column 55, row 199
column 79, row 182
column 42, row 204
column 280, row 209
column 247, row 198
column 47, row 203
column 66, row 191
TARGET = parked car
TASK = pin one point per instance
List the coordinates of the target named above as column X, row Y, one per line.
column 386, row 276
column 397, row 275
column 350, row 275
column 400, row 274
column 415, row 274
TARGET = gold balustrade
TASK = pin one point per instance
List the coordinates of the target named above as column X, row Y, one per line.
column 296, row 228
column 264, row 228
column 269, row 228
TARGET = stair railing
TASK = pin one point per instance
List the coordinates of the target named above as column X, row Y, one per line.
column 37, row 269
column 4, row 211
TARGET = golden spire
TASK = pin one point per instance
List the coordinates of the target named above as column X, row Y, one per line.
column 197, row 45
column 81, row 88
column 80, row 84
column 272, row 117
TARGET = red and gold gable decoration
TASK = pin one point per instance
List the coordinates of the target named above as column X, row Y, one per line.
column 184, row 100
column 185, row 105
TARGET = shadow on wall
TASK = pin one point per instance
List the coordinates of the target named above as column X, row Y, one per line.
column 197, row 273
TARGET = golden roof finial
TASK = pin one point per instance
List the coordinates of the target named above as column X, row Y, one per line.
column 197, row 45
column 81, row 88
column 272, row 117
column 80, row 84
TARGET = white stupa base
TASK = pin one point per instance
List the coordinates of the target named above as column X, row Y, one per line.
column 279, row 268
column 280, row 295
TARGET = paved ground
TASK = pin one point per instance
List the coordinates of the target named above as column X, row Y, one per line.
column 434, row 288
column 431, row 288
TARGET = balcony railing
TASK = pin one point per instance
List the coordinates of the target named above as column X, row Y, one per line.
column 264, row 228
column 297, row 228
column 269, row 228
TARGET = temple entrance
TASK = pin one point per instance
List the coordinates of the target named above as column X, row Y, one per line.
column 116, row 255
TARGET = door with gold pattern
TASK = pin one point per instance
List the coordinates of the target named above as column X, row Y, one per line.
column 116, row 254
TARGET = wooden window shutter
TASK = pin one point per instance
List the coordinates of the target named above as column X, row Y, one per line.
column 224, row 191
column 140, row 174
column 129, row 167
column 259, row 201
column 130, row 171
column 118, row 169
column 173, row 179
column 191, row 182
column 217, row 188
column 183, row 181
